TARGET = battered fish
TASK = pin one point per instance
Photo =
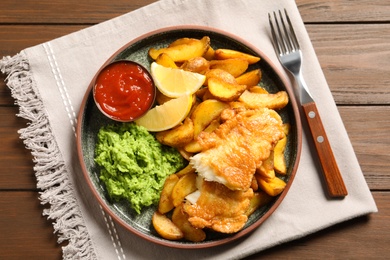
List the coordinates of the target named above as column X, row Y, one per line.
column 219, row 208
column 231, row 154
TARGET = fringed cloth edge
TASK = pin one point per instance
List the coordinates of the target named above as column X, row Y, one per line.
column 50, row 169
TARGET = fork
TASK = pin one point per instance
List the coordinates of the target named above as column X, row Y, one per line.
column 287, row 48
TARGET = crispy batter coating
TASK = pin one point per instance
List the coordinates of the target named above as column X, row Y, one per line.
column 219, row 208
column 231, row 154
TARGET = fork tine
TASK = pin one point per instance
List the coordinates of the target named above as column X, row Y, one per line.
column 283, row 34
column 287, row 39
column 282, row 41
column 274, row 36
column 292, row 32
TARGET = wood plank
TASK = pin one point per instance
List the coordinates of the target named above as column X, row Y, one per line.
column 16, row 166
column 25, row 233
column 351, row 68
column 68, row 12
column 73, row 11
column 15, row 38
column 20, row 217
column 362, row 238
column 314, row 11
column 349, row 78
column 367, row 126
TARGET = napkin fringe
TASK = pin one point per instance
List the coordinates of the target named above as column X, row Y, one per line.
column 50, row 169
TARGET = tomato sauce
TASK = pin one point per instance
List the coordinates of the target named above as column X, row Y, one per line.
column 124, row 90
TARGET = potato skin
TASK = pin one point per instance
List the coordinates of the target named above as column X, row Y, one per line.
column 225, row 91
column 183, row 50
column 180, row 219
column 205, row 113
column 178, row 136
column 165, row 203
column 222, row 54
column 165, row 227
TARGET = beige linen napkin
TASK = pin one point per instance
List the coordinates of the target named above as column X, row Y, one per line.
column 48, row 82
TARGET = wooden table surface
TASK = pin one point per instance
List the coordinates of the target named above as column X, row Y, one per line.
column 352, row 41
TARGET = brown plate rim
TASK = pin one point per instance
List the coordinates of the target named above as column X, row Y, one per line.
column 239, row 234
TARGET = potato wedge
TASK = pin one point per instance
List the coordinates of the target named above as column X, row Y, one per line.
column 181, row 41
column 209, row 55
column 180, row 219
column 250, row 78
column 198, row 65
column 186, row 170
column 257, row 89
column 185, row 186
column 165, row 203
column 225, row 91
column 205, row 113
column 179, row 135
column 220, row 74
column 272, row 101
column 207, row 95
column 223, row 54
column 266, row 169
column 194, row 146
column 272, row 187
column 185, row 51
column 279, row 159
column 186, row 155
column 258, row 200
column 236, row 67
column 165, row 227
column 166, row 61
column 161, row 98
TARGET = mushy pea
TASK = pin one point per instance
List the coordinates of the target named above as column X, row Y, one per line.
column 134, row 165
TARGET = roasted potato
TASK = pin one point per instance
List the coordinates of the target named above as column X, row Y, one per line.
column 272, row 187
column 194, row 146
column 220, row 74
column 209, row 55
column 256, row 100
column 198, row 65
column 257, row 89
column 266, row 169
column 165, row 227
column 205, row 113
column 187, row 49
column 223, row 54
column 225, row 91
column 186, row 155
column 186, row 170
column 279, row 159
column 161, row 98
column 258, row 200
column 236, row 67
column 179, row 135
column 180, row 219
column 165, row 60
column 165, row 203
column 185, row 186
column 250, row 78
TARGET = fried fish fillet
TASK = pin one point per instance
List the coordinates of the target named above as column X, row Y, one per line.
column 231, row 154
column 219, row 208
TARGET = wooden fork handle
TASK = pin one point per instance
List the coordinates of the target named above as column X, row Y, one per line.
column 331, row 172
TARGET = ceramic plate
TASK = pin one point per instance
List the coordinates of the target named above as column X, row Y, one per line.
column 91, row 119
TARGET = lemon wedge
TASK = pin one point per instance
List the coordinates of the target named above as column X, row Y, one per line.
column 167, row 115
column 174, row 82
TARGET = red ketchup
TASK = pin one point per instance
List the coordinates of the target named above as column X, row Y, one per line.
column 124, row 91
